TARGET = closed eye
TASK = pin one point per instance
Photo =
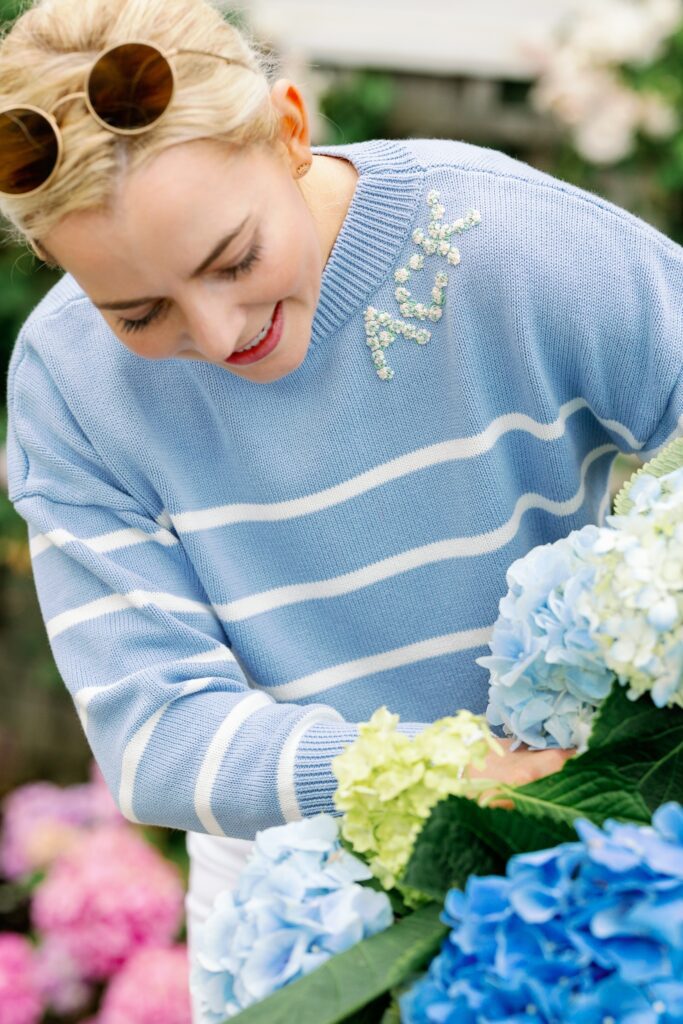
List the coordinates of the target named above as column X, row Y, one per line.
column 131, row 326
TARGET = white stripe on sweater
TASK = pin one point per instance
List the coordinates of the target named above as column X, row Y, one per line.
column 119, row 603
column 136, row 746
column 84, row 696
column 102, row 542
column 446, row 451
column 437, row 551
column 367, row 575
column 421, row 458
column 213, row 758
column 345, row 672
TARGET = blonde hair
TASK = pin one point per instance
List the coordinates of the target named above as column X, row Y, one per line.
column 46, row 53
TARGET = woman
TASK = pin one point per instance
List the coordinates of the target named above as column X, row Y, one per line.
column 292, row 411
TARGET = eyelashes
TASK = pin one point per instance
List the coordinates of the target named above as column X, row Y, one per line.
column 132, row 326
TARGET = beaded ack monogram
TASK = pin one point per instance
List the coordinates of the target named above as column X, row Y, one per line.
column 381, row 328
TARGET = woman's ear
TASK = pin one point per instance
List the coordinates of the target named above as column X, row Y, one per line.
column 295, row 131
column 42, row 253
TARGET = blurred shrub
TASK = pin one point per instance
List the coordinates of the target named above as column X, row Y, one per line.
column 23, row 281
column 614, row 77
column 357, row 106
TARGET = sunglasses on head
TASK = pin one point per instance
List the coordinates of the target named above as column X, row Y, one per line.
column 127, row 91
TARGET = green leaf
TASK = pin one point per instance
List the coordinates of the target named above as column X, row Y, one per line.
column 346, row 983
column 453, row 844
column 392, row 1015
column 667, row 461
column 371, row 1013
column 633, row 764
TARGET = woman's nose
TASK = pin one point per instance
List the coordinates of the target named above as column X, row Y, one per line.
column 215, row 329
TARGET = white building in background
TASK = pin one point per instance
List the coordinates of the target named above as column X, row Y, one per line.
column 451, row 56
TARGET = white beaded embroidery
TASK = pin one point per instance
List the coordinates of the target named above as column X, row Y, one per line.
column 380, row 327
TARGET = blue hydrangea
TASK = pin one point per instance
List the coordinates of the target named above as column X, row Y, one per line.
column 546, row 673
column 583, row 933
column 296, row 904
column 602, row 603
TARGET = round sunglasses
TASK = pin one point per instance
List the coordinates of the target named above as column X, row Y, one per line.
column 128, row 89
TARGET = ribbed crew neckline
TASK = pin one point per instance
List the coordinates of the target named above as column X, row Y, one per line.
column 378, row 221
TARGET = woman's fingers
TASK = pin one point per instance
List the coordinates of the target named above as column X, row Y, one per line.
column 517, row 767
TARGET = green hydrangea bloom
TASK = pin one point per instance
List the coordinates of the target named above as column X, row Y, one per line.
column 388, row 783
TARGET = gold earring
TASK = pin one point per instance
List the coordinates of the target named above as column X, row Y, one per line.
column 303, row 169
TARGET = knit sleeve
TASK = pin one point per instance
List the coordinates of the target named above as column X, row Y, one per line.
column 605, row 296
column 182, row 738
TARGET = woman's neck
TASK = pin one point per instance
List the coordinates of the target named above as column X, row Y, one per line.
column 328, row 188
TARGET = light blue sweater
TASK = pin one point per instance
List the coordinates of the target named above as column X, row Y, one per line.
column 232, row 574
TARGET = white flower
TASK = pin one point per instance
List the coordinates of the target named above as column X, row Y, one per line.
column 606, row 135
column 623, row 32
column 401, row 275
column 581, row 84
column 416, row 261
column 658, row 119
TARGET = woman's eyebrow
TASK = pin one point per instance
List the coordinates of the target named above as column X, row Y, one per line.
column 214, row 254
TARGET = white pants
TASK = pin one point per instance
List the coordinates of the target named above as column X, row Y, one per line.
column 215, row 864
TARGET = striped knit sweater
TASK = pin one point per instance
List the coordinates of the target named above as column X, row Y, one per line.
column 232, row 575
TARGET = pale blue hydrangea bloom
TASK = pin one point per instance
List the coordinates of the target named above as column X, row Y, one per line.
column 296, row 904
column 546, row 674
column 600, row 603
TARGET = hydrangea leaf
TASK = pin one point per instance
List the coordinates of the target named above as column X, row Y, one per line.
column 633, row 764
column 667, row 461
column 650, row 742
column 341, row 987
column 462, row 839
column 392, row 1014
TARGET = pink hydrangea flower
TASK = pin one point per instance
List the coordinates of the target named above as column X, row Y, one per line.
column 59, row 978
column 107, row 897
column 152, row 988
column 42, row 821
column 20, row 1001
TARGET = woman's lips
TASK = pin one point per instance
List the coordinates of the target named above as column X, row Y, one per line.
column 264, row 347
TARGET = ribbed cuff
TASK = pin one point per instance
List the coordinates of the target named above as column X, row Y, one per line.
column 313, row 776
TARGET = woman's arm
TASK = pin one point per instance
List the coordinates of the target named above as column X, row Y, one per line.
column 181, row 738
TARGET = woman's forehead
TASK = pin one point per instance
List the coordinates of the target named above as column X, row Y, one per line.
column 190, row 195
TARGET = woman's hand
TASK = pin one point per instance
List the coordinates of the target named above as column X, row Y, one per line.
column 517, row 767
